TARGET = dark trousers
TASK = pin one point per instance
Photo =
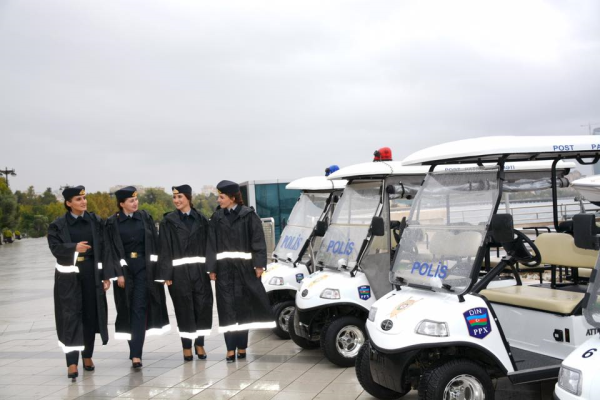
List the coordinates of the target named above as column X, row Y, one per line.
column 187, row 343
column 138, row 308
column 89, row 312
column 236, row 340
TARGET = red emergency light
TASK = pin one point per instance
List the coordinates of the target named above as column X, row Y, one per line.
column 383, row 154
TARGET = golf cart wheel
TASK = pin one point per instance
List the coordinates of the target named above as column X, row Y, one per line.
column 363, row 373
column 341, row 340
column 456, row 379
column 299, row 340
column 283, row 312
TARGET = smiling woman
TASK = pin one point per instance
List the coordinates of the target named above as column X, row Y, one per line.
column 237, row 259
column 181, row 259
column 76, row 240
column 132, row 247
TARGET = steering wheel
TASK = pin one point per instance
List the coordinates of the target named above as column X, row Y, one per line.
column 519, row 252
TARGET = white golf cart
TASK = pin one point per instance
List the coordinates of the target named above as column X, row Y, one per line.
column 443, row 330
column 353, row 260
column 578, row 376
column 293, row 251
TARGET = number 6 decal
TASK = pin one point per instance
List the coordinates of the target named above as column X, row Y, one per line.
column 589, row 353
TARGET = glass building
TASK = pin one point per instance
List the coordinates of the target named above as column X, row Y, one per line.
column 270, row 199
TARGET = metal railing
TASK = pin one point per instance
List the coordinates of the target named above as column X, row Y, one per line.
column 529, row 214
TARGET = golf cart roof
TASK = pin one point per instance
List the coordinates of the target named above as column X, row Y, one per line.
column 379, row 168
column 512, row 148
column 316, row 183
column 397, row 168
column 589, row 187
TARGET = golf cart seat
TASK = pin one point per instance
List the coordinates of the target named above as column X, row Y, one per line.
column 559, row 250
column 537, row 298
column 556, row 249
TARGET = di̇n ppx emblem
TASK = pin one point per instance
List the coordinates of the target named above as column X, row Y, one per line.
column 478, row 322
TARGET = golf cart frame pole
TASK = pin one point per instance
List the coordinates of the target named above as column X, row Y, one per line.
column 554, row 194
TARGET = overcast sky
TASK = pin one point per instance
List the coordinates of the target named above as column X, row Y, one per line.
column 169, row 92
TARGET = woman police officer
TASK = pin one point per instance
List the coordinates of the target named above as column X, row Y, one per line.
column 76, row 240
column 181, row 264
column 132, row 247
column 237, row 258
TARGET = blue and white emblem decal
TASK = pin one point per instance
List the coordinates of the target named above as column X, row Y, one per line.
column 364, row 292
column 478, row 322
column 299, row 277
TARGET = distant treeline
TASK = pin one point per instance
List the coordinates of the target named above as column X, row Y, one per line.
column 30, row 213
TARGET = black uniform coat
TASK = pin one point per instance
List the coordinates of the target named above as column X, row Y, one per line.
column 157, row 318
column 242, row 301
column 191, row 291
column 67, row 285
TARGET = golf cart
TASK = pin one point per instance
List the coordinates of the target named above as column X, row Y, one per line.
column 578, row 374
column 353, row 260
column 292, row 253
column 444, row 330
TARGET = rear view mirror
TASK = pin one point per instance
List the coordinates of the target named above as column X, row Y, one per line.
column 320, row 228
column 502, row 228
column 377, row 226
column 585, row 231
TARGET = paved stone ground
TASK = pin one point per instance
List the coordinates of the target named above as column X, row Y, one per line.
column 33, row 367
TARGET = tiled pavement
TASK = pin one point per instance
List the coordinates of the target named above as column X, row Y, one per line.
column 33, row 367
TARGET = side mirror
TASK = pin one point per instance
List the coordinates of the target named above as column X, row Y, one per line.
column 502, row 228
column 585, row 231
column 377, row 226
column 320, row 228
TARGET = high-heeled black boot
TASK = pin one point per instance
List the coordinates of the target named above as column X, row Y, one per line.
column 72, row 375
column 90, row 368
column 200, row 356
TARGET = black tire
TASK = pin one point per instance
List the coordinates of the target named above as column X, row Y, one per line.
column 299, row 340
column 435, row 381
column 350, row 328
column 363, row 373
column 282, row 314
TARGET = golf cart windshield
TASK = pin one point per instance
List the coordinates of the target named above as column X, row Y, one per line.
column 303, row 219
column 446, row 229
column 349, row 225
column 592, row 306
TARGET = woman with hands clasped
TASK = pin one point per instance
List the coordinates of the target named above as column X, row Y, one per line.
column 76, row 240
column 181, row 264
column 236, row 260
column 131, row 255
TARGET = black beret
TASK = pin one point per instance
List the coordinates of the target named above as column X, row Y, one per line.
column 125, row 193
column 228, row 187
column 183, row 189
column 73, row 191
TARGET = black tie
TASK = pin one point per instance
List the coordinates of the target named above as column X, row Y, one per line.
column 187, row 220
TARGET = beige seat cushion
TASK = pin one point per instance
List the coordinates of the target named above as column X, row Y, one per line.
column 559, row 249
column 552, row 300
column 584, row 273
column 494, row 261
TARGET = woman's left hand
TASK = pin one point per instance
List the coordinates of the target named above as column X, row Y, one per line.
column 106, row 285
column 259, row 271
